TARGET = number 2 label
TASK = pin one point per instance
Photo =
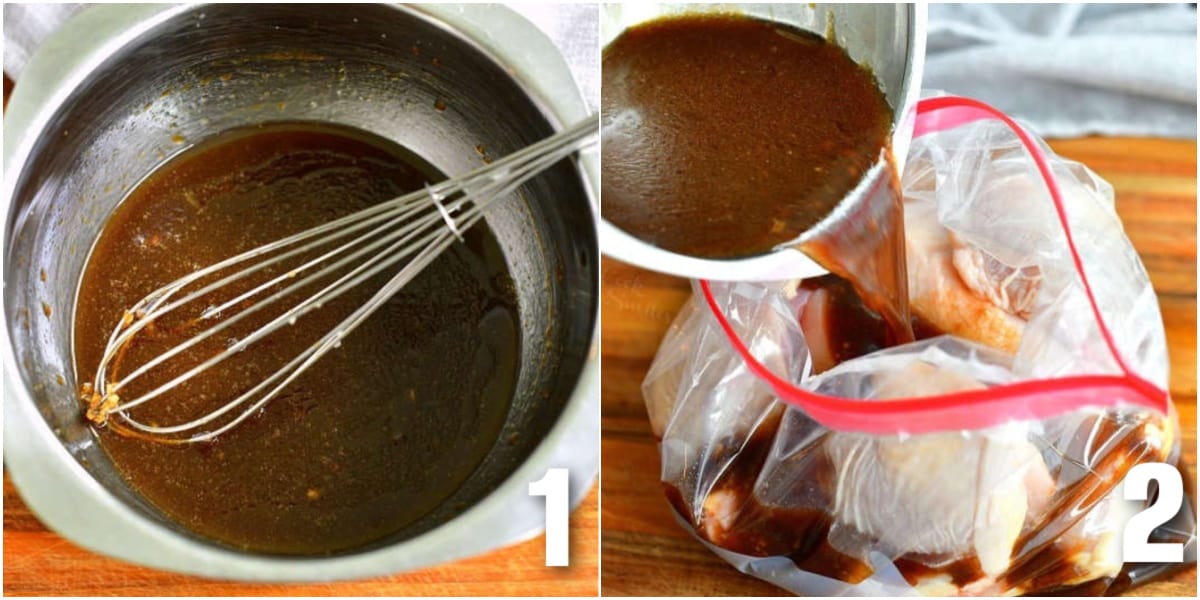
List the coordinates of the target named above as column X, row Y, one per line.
column 1137, row 545
column 554, row 487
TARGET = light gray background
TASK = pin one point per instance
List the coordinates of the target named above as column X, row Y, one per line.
column 1069, row 70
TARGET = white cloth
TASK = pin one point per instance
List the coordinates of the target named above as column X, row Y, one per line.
column 1069, row 70
column 25, row 26
column 574, row 28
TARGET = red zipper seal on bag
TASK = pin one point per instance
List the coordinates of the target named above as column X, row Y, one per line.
column 976, row 409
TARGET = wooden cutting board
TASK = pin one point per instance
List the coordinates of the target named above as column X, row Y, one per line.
column 38, row 562
column 643, row 549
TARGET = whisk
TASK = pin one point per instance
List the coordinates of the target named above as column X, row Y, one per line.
column 416, row 228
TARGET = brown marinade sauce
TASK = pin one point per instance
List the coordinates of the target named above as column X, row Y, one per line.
column 382, row 429
column 1039, row 565
column 857, row 330
column 725, row 136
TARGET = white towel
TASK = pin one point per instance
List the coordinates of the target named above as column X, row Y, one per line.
column 25, row 26
column 1069, row 70
column 575, row 29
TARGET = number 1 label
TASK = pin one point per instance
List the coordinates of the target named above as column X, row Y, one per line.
column 554, row 487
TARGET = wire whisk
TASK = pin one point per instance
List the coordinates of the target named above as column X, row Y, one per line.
column 413, row 229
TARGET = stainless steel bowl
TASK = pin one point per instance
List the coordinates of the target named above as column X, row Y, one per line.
column 887, row 38
column 109, row 97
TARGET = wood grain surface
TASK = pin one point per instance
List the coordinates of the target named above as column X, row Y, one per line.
column 645, row 552
column 38, row 562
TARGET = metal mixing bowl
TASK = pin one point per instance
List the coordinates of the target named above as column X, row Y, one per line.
column 120, row 89
column 888, row 38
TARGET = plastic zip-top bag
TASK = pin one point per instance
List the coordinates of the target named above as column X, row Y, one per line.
column 983, row 458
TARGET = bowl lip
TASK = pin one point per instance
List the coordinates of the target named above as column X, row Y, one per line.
column 783, row 263
column 56, row 487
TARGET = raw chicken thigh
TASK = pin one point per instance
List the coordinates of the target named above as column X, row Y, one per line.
column 942, row 493
column 951, row 495
column 1013, row 289
column 1026, row 506
column 968, row 507
column 938, row 292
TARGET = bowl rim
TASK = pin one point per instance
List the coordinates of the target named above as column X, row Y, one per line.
column 56, row 487
column 783, row 263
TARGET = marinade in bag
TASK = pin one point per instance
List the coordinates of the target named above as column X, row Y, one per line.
column 983, row 458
